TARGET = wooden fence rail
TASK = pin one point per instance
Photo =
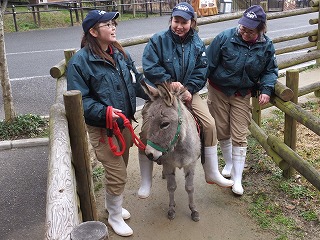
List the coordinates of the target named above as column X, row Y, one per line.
column 64, row 210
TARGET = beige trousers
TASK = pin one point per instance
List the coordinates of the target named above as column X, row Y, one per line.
column 115, row 167
column 232, row 115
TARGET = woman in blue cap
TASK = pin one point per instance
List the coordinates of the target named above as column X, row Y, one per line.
column 106, row 76
column 177, row 56
column 242, row 64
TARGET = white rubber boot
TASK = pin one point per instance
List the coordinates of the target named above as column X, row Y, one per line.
column 211, row 169
column 146, row 168
column 238, row 159
column 226, row 149
column 124, row 212
column 115, row 220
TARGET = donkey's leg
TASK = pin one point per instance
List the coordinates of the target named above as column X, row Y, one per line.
column 189, row 176
column 169, row 173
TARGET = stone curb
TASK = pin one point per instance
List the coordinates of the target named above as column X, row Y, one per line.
column 23, row 143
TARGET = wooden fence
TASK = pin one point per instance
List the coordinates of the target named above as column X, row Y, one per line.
column 70, row 199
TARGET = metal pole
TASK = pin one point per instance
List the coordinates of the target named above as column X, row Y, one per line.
column 146, row 9
column 71, row 18
column 38, row 14
column 14, row 15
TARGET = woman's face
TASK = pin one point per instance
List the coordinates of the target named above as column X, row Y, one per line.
column 247, row 34
column 180, row 26
column 105, row 33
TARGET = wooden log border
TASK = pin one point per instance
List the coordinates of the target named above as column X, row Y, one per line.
column 62, row 211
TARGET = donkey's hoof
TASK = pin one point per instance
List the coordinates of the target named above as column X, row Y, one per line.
column 171, row 214
column 195, row 216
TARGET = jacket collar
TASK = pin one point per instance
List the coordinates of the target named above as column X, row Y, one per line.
column 93, row 57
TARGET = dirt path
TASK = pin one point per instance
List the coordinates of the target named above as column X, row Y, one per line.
column 222, row 215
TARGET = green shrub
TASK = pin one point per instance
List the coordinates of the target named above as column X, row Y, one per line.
column 24, row 126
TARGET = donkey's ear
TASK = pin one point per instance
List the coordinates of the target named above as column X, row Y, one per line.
column 152, row 92
column 165, row 93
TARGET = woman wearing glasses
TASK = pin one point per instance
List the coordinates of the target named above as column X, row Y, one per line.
column 242, row 64
column 106, row 76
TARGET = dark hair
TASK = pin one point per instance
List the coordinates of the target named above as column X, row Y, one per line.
column 262, row 27
column 92, row 43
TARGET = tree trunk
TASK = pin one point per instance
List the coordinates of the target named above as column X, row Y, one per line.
column 4, row 74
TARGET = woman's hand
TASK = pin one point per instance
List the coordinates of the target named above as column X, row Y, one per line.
column 264, row 99
column 186, row 96
column 176, row 86
column 114, row 114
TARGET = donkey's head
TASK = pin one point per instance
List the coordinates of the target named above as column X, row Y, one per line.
column 164, row 118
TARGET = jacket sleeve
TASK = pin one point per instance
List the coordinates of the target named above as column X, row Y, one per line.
column 213, row 52
column 197, row 79
column 78, row 79
column 151, row 63
column 270, row 75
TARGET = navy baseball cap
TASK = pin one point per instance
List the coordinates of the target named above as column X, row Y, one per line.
column 184, row 10
column 253, row 16
column 96, row 16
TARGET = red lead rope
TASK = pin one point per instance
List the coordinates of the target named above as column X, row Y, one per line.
column 113, row 128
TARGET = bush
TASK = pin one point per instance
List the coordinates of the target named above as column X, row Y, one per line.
column 24, row 126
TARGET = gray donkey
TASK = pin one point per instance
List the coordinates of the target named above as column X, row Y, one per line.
column 172, row 140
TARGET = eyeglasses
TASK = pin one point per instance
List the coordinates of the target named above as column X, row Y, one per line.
column 108, row 25
column 244, row 30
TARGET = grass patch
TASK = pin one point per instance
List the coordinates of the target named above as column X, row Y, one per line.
column 97, row 175
column 57, row 18
column 287, row 207
column 24, row 126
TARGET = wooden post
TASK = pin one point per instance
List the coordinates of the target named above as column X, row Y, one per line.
column 80, row 153
column 59, row 69
column 290, row 124
column 318, row 42
column 91, row 230
column 256, row 111
column 68, row 53
column 134, row 8
column 264, row 5
column 38, row 15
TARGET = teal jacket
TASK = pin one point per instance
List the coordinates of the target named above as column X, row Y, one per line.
column 236, row 67
column 101, row 85
column 166, row 58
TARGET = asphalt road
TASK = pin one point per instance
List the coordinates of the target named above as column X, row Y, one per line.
column 23, row 184
column 31, row 54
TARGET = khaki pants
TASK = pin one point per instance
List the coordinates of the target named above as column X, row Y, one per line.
column 200, row 108
column 232, row 115
column 115, row 167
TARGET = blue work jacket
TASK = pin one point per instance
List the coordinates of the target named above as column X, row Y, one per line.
column 102, row 85
column 237, row 67
column 167, row 58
